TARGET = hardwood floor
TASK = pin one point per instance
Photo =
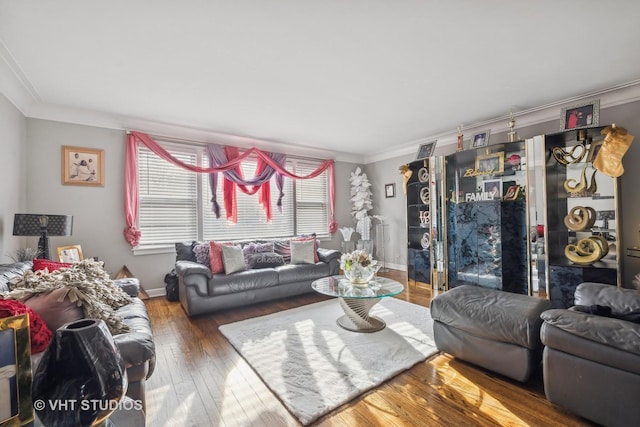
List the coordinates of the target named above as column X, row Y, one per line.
column 200, row 380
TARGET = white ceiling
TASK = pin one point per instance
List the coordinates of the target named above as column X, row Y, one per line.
column 353, row 77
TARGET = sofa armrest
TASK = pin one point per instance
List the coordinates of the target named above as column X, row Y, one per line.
column 620, row 300
column 608, row 331
column 326, row 255
column 130, row 285
column 186, row 268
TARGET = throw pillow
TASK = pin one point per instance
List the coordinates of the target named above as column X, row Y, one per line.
column 51, row 266
column 305, row 238
column 283, row 247
column 302, row 251
column 55, row 308
column 264, row 260
column 201, row 250
column 233, row 259
column 215, row 256
column 38, row 330
column 256, row 248
column 184, row 251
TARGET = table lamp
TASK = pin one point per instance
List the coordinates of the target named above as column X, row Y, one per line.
column 42, row 225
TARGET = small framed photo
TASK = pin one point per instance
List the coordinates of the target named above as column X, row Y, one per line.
column 490, row 164
column 71, row 253
column 493, row 187
column 16, row 406
column 426, row 150
column 512, row 192
column 82, row 166
column 390, row 190
column 480, row 139
column 580, row 116
column 594, row 148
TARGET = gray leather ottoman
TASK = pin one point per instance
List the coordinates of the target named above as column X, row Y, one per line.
column 496, row 330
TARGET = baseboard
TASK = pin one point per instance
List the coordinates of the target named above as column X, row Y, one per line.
column 157, row 292
column 401, row 267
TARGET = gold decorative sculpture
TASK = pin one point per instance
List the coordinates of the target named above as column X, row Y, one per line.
column 574, row 187
column 587, row 251
column 580, row 218
column 569, row 156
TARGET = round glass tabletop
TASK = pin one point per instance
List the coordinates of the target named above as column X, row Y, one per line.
column 339, row 286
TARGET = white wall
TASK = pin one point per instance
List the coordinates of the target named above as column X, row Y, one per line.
column 13, row 176
column 99, row 211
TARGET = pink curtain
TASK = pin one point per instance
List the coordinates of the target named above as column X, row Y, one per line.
column 132, row 233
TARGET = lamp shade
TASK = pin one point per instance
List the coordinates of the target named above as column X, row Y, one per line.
column 33, row 224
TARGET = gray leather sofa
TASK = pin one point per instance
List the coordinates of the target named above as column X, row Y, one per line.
column 202, row 291
column 591, row 363
column 137, row 347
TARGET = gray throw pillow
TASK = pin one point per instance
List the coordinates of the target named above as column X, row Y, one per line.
column 264, row 260
column 233, row 259
column 302, row 252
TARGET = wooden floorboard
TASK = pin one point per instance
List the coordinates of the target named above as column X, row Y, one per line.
column 200, row 380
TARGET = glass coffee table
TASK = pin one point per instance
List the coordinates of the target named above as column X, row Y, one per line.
column 357, row 300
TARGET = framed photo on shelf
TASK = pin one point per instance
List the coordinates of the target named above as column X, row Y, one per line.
column 488, row 164
column 426, row 150
column 16, row 407
column 512, row 192
column 580, row 116
column 82, row 166
column 493, row 187
column 390, row 190
column 480, row 139
column 594, row 148
column 71, row 253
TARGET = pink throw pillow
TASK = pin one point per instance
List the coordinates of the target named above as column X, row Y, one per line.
column 215, row 256
column 54, row 313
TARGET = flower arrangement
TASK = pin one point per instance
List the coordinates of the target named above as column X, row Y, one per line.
column 358, row 266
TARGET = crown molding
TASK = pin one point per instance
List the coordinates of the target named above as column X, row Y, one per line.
column 14, row 84
column 447, row 142
column 17, row 88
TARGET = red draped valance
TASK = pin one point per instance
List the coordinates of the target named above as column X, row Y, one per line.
column 132, row 233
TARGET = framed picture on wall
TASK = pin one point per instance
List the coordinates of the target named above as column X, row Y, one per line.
column 426, row 150
column 389, row 190
column 82, row 166
column 580, row 116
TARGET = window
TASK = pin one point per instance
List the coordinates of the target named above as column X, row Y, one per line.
column 175, row 204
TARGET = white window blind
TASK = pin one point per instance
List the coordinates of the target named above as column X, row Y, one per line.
column 175, row 204
column 168, row 198
column 311, row 200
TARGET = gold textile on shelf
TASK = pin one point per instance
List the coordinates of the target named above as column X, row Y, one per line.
column 615, row 145
column 406, row 176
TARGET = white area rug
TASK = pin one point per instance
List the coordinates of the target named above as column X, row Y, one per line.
column 314, row 366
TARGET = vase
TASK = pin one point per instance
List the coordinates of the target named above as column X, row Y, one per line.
column 81, row 376
column 359, row 275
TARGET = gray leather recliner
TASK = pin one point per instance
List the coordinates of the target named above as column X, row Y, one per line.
column 591, row 363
